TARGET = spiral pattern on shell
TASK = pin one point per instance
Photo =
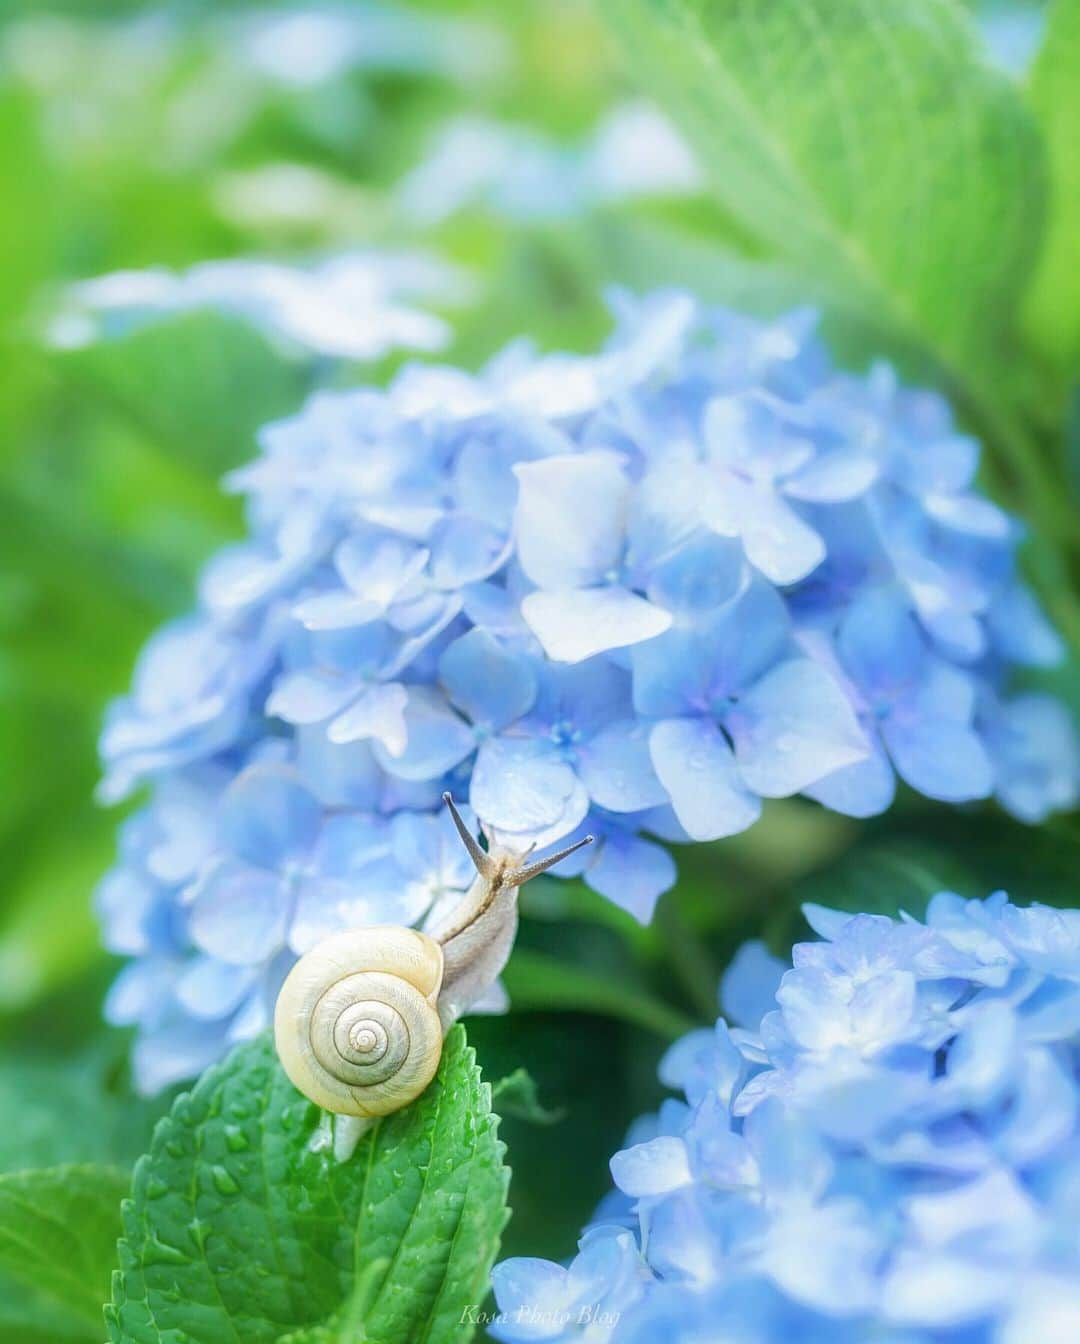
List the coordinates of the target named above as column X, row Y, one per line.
column 357, row 1026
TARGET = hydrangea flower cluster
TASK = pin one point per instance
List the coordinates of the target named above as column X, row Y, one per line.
column 309, row 45
column 634, row 593
column 890, row 1152
column 356, row 306
column 112, row 77
column 521, row 173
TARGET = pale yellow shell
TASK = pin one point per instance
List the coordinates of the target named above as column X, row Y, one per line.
column 356, row 1024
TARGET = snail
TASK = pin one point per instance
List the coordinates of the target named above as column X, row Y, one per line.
column 360, row 1020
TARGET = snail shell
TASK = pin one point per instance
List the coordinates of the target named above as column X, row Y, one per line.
column 357, row 1025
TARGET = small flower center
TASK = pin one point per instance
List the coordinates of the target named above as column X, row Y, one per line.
column 564, row 734
column 720, row 704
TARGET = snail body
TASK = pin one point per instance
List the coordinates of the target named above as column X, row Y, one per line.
column 478, row 938
column 360, row 1020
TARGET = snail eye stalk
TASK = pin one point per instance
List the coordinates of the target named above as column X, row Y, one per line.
column 483, row 861
column 522, row 875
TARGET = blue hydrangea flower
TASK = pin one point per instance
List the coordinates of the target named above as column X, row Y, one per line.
column 357, row 306
column 891, row 1151
column 521, row 173
column 310, row 45
column 635, row 592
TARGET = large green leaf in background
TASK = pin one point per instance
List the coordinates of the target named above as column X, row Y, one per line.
column 868, row 144
column 902, row 859
column 61, row 1110
column 27, row 1316
column 537, row 981
column 199, row 383
column 639, row 248
column 1054, row 311
column 867, row 140
column 242, row 1227
column 58, row 1231
column 69, row 1129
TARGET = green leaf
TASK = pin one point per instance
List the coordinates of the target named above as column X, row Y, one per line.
column 867, row 140
column 29, row 1317
column 912, row 858
column 1054, row 304
column 65, row 1111
column 62, row 1111
column 199, row 383
column 242, row 1226
column 58, row 1231
column 535, row 980
column 517, row 1095
column 347, row 1325
column 885, row 877
column 643, row 250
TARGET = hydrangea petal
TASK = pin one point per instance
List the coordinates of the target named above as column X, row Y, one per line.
column 491, row 684
column 632, row 872
column 309, row 696
column 436, row 739
column 748, row 986
column 940, row 758
column 1020, row 629
column 135, row 996
column 125, row 902
column 211, row 989
column 377, row 568
column 879, row 643
column 865, row 789
column 616, row 768
column 833, row 477
column 696, row 767
column 174, row 1053
column 336, row 610
column 570, row 518
column 794, row 727
column 824, row 1257
column 465, row 550
column 670, row 674
column 238, row 914
column 377, row 713
column 521, row 785
column 778, row 542
column 267, row 815
column 652, row 1168
column 701, row 574
column 573, row 626
column 1035, row 755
